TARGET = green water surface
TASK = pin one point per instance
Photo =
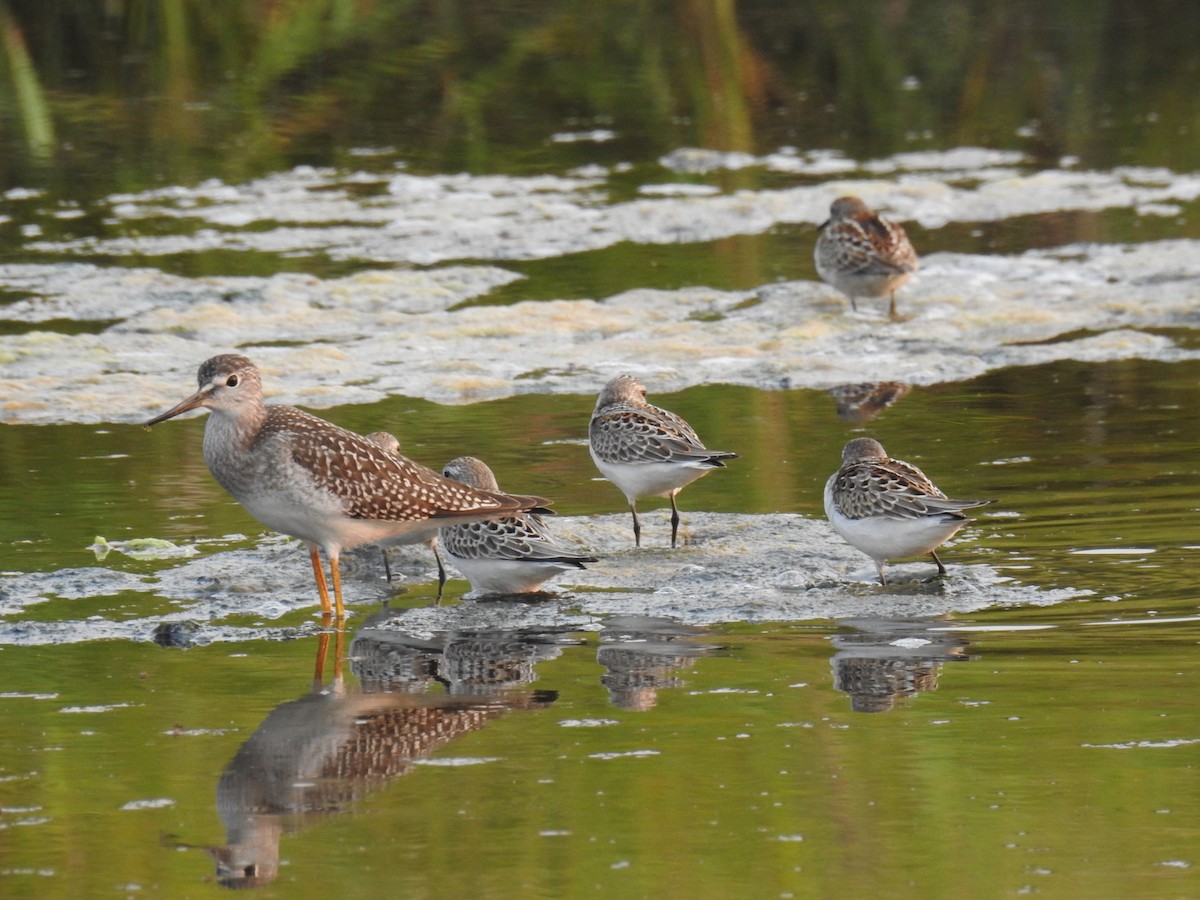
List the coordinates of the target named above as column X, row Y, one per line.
column 1056, row 758
column 1049, row 750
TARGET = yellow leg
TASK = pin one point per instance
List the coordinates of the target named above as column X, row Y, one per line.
column 337, row 588
column 338, row 652
column 319, row 574
column 322, row 652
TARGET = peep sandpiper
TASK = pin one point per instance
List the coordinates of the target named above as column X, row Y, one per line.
column 862, row 254
column 888, row 508
column 644, row 450
column 513, row 554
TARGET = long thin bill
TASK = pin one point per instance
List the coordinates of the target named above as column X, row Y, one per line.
column 197, row 399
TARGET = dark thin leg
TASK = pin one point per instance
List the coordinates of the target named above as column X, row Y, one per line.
column 853, row 305
column 387, row 567
column 892, row 308
column 441, row 569
column 879, row 569
column 674, row 521
column 637, row 528
column 941, row 568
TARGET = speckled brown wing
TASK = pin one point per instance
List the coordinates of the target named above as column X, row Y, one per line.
column 890, row 243
column 387, row 742
column 375, row 484
column 677, row 424
column 628, row 434
column 869, row 245
column 892, row 489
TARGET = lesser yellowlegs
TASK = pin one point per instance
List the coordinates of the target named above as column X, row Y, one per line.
column 512, row 554
column 862, row 254
column 306, row 477
column 644, row 450
column 888, row 508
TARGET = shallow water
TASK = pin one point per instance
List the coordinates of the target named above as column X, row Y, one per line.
column 755, row 744
column 810, row 722
column 750, row 714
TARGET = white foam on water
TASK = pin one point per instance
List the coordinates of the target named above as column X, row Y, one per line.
column 728, row 569
column 394, row 330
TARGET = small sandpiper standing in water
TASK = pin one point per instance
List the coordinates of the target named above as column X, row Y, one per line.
column 327, row 486
column 888, row 508
column 512, row 554
column 644, row 450
column 862, row 254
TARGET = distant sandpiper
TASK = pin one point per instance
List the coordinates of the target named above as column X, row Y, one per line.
column 862, row 254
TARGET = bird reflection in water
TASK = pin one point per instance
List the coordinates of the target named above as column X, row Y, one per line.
column 886, row 660
column 643, row 655
column 864, row 401
column 329, row 749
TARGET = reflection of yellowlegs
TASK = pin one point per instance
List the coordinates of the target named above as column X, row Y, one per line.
column 862, row 254
column 330, row 487
column 644, row 450
column 320, row 754
column 511, row 554
column 888, row 508
column 391, row 444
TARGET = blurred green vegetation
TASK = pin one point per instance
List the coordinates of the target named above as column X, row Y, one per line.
column 117, row 95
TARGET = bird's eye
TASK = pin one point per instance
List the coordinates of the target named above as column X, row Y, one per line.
column 231, row 381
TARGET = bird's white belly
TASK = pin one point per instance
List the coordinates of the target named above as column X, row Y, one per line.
column 650, row 479
column 862, row 284
column 883, row 538
column 507, row 576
